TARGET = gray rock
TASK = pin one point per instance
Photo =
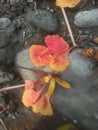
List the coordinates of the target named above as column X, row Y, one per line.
column 3, row 39
column 14, row 1
column 6, row 56
column 23, row 60
column 4, row 22
column 26, row 32
column 79, row 104
column 43, row 19
column 10, row 30
column 2, row 56
column 87, row 18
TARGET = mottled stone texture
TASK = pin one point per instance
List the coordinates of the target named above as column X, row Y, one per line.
column 79, row 104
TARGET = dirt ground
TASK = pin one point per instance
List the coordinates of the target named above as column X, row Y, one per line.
column 13, row 114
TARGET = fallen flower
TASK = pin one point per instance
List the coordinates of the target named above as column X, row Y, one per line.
column 43, row 106
column 54, row 55
column 39, row 55
column 51, row 87
column 40, row 103
column 62, row 83
column 30, row 96
column 56, row 45
column 67, row 3
column 59, row 63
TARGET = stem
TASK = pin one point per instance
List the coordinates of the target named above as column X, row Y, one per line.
column 68, row 26
column 13, row 87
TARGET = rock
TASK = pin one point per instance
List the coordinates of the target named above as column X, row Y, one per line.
column 4, row 22
column 87, row 18
column 79, row 104
column 10, row 30
column 3, row 39
column 52, row 122
column 7, row 56
column 5, row 77
column 14, row 1
column 42, row 19
column 25, row 32
column 23, row 60
column 3, row 57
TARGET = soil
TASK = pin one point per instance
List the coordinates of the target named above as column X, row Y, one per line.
column 13, row 113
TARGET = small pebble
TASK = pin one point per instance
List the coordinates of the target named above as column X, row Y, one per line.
column 4, row 22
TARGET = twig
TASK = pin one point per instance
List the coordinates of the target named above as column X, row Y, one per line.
column 4, row 109
column 40, row 72
column 68, row 26
column 3, row 124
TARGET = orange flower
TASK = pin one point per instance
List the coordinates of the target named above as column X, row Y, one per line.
column 56, row 45
column 39, row 55
column 59, row 63
column 67, row 3
column 30, row 96
column 38, row 102
column 54, row 55
column 43, row 106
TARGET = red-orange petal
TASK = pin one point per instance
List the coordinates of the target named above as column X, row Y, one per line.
column 39, row 55
column 29, row 84
column 60, row 63
column 30, row 96
column 56, row 44
column 43, row 106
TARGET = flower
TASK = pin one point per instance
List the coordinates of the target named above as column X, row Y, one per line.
column 67, row 3
column 43, row 106
column 59, row 63
column 38, row 101
column 30, row 96
column 39, row 55
column 56, row 45
column 54, row 55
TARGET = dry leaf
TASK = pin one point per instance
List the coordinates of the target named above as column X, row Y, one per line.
column 90, row 53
